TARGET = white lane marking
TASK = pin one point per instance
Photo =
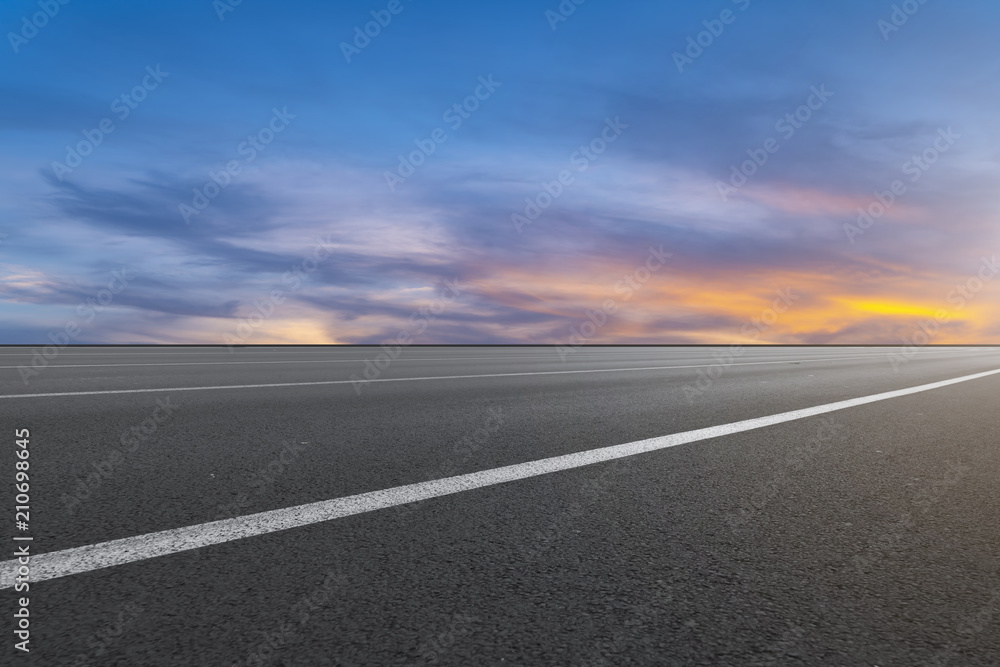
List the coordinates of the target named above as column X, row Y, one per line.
column 438, row 377
column 351, row 361
column 283, row 361
column 142, row 547
column 328, row 361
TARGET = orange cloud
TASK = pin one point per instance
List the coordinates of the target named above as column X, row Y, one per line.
column 820, row 308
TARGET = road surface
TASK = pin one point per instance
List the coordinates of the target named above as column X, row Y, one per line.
column 684, row 506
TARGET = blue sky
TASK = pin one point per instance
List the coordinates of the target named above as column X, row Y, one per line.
column 377, row 257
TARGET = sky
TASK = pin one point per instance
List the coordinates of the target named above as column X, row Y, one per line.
column 420, row 171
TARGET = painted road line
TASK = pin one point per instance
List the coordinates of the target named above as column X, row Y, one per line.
column 334, row 361
column 416, row 379
column 142, row 547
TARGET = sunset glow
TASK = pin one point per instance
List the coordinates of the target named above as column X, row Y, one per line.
column 871, row 211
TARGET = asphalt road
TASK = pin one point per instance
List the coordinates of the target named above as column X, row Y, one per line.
column 861, row 536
